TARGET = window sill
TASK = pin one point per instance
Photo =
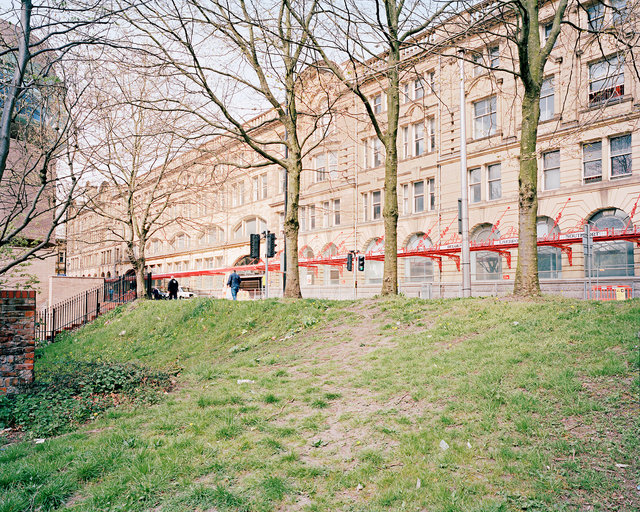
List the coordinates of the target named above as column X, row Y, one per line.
column 486, row 137
column 607, row 103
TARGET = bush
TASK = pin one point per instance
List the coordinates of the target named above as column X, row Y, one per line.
column 68, row 394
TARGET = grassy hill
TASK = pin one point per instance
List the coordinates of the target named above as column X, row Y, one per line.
column 377, row 405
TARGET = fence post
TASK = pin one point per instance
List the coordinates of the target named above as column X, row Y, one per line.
column 53, row 324
column 97, row 302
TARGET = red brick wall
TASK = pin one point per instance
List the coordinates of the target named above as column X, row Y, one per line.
column 17, row 339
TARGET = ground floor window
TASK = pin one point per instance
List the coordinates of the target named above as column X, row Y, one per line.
column 549, row 258
column 485, row 265
column 611, row 259
column 374, row 270
column 418, row 269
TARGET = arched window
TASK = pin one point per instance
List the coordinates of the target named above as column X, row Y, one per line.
column 419, row 268
column 246, row 260
column 485, row 265
column 549, row 258
column 212, row 236
column 373, row 269
column 611, row 258
column 248, row 227
column 307, row 275
column 331, row 272
column 182, row 241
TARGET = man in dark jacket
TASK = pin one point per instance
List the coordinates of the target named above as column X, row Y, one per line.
column 173, row 288
column 234, row 284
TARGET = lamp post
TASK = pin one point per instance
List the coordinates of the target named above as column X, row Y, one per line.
column 465, row 253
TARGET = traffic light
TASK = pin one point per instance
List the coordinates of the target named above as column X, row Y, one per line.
column 350, row 261
column 254, row 245
column 271, row 245
column 361, row 263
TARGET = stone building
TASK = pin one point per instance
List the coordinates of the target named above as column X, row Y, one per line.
column 588, row 141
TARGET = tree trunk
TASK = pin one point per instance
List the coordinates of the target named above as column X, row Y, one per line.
column 526, row 282
column 291, row 227
column 390, row 214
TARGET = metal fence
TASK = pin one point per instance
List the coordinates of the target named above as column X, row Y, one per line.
column 86, row 306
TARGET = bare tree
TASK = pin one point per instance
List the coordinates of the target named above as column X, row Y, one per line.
column 244, row 52
column 371, row 41
column 134, row 152
column 40, row 94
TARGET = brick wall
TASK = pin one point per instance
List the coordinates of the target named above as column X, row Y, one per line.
column 17, row 339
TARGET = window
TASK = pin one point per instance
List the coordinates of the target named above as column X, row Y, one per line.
column 265, row 186
column 405, row 199
column 431, row 134
column 376, row 204
column 302, row 218
column 606, row 79
column 611, row 258
column 307, row 275
column 595, row 15
column 312, row 217
column 547, row 109
column 336, row 212
column 494, row 181
column 255, row 188
column 431, row 82
column 418, row 139
column 475, row 185
column 484, row 117
column 486, row 265
column 592, row 161
column 406, row 93
column 549, row 258
column 182, row 241
column 377, row 152
column 252, row 225
column 619, row 10
column 418, row 269
column 377, row 104
column 418, row 89
column 494, row 57
column 320, row 166
column 326, row 215
column 620, row 152
column 418, row 197
column 551, row 170
column 331, row 272
column 373, row 270
column 406, row 142
column 478, row 69
column 431, row 188
column 365, row 206
column 332, row 157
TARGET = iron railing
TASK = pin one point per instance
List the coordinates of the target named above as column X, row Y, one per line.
column 81, row 309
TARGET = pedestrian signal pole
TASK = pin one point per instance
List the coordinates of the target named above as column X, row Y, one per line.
column 270, row 239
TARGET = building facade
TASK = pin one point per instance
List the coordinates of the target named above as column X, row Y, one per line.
column 588, row 141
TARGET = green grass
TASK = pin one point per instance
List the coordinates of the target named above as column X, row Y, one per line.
column 324, row 406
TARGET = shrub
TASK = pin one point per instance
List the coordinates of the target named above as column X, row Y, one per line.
column 68, row 394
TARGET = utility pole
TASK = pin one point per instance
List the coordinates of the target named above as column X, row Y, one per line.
column 465, row 253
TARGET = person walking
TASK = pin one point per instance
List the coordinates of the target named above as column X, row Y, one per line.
column 173, row 288
column 234, row 284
